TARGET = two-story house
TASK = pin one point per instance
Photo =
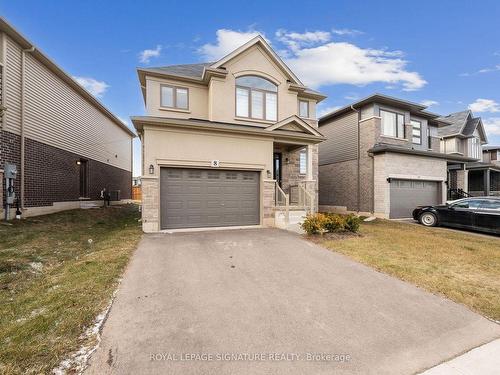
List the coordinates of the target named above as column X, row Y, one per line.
column 227, row 143
column 383, row 156
column 64, row 144
column 466, row 136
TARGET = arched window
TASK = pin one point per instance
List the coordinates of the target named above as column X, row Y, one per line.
column 256, row 98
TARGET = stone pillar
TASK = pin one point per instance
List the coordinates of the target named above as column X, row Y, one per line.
column 463, row 180
column 268, row 187
column 310, row 162
column 150, row 204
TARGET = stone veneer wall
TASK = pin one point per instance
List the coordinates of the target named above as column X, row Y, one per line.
column 150, row 204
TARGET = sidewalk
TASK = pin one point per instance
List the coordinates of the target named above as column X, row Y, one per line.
column 484, row 360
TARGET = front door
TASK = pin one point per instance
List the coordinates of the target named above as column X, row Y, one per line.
column 277, row 167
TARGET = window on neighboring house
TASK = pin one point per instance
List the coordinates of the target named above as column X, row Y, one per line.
column 475, row 149
column 174, row 97
column 494, row 155
column 303, row 161
column 304, row 108
column 416, row 132
column 256, row 98
column 393, row 124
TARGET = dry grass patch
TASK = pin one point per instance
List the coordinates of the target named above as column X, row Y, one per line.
column 57, row 273
column 461, row 266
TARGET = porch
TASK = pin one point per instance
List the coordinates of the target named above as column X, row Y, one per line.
column 295, row 171
column 484, row 180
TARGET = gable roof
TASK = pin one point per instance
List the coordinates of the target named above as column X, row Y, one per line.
column 296, row 122
column 464, row 124
column 267, row 48
column 59, row 72
column 491, row 148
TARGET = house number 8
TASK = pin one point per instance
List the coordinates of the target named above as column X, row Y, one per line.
column 215, row 164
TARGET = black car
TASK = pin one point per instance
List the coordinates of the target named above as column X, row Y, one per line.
column 478, row 213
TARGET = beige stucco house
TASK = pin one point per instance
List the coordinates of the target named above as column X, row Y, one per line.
column 227, row 143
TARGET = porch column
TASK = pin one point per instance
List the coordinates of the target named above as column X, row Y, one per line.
column 487, row 182
column 309, row 162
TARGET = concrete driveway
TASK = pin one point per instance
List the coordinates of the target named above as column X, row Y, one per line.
column 267, row 299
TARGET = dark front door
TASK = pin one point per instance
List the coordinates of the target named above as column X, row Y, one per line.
column 277, row 167
column 83, row 179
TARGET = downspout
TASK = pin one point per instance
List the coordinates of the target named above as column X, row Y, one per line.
column 358, row 190
column 21, row 167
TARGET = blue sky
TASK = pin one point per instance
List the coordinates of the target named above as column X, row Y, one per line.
column 441, row 52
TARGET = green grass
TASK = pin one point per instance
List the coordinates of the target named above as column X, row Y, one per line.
column 461, row 266
column 54, row 281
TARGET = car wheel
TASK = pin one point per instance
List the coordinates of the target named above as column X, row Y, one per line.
column 428, row 219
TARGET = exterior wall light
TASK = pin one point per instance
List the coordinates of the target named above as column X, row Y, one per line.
column 78, row 162
column 269, row 174
column 151, row 169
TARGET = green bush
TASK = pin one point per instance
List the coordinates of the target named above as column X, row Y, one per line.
column 314, row 224
column 352, row 223
column 320, row 223
column 334, row 223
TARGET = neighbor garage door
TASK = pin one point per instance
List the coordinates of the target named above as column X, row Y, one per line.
column 408, row 194
column 194, row 198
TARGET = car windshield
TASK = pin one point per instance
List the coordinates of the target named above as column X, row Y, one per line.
column 469, row 203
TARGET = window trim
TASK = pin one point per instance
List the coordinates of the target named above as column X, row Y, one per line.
column 303, row 151
column 413, row 127
column 264, row 100
column 397, row 127
column 308, row 108
column 174, row 97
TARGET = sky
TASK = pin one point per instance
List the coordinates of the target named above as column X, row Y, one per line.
column 445, row 54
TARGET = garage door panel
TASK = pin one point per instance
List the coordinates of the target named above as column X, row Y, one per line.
column 405, row 195
column 204, row 198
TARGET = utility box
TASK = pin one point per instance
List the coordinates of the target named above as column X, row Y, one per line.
column 10, row 174
column 114, row 195
column 10, row 171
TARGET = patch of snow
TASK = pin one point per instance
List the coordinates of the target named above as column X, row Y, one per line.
column 36, row 266
column 370, row 218
column 78, row 361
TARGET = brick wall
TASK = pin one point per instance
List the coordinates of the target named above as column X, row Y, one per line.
column 52, row 175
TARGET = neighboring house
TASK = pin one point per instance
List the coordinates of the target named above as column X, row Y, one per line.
column 466, row 136
column 382, row 156
column 65, row 144
column 227, row 143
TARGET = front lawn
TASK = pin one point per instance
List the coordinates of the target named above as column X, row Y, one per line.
column 57, row 273
column 461, row 266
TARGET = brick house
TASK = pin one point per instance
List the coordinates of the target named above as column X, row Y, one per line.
column 65, row 144
column 383, row 156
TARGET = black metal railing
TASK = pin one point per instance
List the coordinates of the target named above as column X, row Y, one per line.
column 454, row 194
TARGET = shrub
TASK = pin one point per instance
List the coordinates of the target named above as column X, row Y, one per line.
column 314, row 224
column 334, row 223
column 352, row 223
column 320, row 223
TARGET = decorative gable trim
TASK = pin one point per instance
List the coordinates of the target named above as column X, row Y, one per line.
column 294, row 123
column 267, row 48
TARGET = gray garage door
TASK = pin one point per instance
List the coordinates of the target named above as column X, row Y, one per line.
column 408, row 194
column 194, row 198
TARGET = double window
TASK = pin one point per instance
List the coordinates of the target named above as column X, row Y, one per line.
column 416, row 132
column 304, row 108
column 256, row 98
column 174, row 97
column 393, row 124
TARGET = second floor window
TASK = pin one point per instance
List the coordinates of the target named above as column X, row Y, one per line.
column 256, row 98
column 174, row 97
column 416, row 132
column 393, row 124
column 475, row 149
column 304, row 108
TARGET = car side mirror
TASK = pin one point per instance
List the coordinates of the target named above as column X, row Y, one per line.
column 450, row 207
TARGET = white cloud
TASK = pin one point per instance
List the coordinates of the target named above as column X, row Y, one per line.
column 350, row 32
column 326, row 110
column 492, row 125
column 146, row 55
column 429, row 103
column 495, row 68
column 484, row 105
column 227, row 41
column 95, row 87
column 345, row 63
column 318, row 61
